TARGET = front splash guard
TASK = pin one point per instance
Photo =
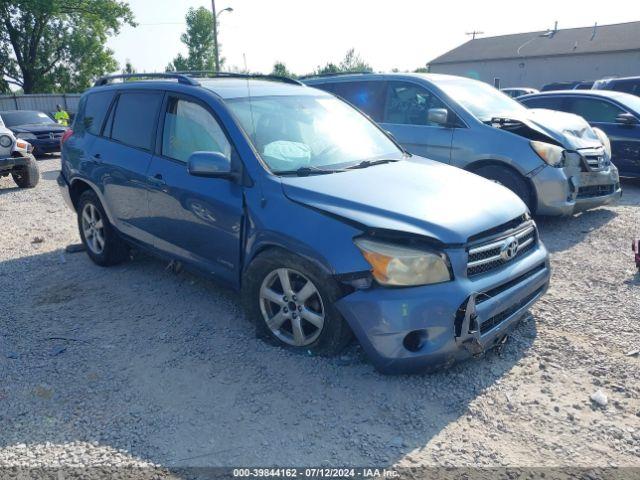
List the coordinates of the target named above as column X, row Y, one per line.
column 469, row 333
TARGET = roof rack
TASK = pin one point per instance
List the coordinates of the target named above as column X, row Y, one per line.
column 334, row 74
column 214, row 74
column 178, row 76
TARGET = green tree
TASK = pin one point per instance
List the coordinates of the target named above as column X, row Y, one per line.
column 352, row 62
column 128, row 68
column 199, row 41
column 58, row 45
column 280, row 70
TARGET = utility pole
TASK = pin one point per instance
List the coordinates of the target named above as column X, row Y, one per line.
column 473, row 34
column 215, row 36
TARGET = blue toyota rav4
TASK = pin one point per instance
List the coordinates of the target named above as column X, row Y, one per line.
column 324, row 223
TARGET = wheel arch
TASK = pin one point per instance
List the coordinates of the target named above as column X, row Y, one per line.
column 80, row 185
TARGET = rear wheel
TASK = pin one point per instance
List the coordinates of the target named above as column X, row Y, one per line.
column 27, row 176
column 510, row 179
column 292, row 303
column 102, row 243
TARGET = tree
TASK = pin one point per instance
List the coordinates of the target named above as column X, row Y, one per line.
column 58, row 45
column 421, row 70
column 352, row 62
column 199, row 41
column 280, row 70
column 128, row 68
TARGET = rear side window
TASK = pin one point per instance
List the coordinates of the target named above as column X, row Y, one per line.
column 627, row 86
column 92, row 115
column 594, row 110
column 134, row 122
column 409, row 104
column 188, row 128
column 367, row 96
column 551, row 103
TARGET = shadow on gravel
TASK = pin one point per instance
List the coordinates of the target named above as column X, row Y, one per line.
column 561, row 233
column 166, row 367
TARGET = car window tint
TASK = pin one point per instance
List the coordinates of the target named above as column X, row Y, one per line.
column 551, row 103
column 408, row 104
column 594, row 110
column 135, row 118
column 188, row 128
column 367, row 96
column 628, row 86
column 92, row 115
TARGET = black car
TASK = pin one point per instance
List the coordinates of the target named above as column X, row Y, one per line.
column 37, row 128
column 628, row 85
column 615, row 113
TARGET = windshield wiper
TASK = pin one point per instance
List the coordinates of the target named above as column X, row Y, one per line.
column 306, row 171
column 369, row 163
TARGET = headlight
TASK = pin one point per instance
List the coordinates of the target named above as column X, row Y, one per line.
column 606, row 143
column 26, row 136
column 403, row 266
column 551, row 154
column 5, row 141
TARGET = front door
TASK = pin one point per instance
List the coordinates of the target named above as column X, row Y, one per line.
column 194, row 219
column 406, row 117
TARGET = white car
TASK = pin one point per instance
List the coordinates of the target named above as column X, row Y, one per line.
column 16, row 160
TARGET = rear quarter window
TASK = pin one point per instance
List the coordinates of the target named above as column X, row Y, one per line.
column 367, row 96
column 135, row 118
column 92, row 112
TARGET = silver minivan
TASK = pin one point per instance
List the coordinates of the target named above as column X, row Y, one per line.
column 554, row 161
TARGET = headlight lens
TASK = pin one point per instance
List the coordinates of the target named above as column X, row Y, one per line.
column 403, row 266
column 5, row 141
column 551, row 154
column 26, row 136
column 606, row 143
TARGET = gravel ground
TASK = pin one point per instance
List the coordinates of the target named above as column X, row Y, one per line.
column 141, row 367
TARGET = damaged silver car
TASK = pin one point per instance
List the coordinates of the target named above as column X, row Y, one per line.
column 555, row 162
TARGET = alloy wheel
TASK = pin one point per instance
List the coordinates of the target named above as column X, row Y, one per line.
column 93, row 228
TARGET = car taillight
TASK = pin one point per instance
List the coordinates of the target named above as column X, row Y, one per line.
column 68, row 132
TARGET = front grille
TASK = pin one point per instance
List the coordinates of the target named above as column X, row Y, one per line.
column 484, row 296
column 592, row 191
column 496, row 320
column 48, row 135
column 595, row 159
column 487, row 257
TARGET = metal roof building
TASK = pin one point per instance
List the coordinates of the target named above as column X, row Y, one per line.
column 536, row 58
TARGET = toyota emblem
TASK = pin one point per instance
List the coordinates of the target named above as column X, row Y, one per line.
column 509, row 249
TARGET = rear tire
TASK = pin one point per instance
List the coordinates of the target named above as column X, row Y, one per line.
column 510, row 179
column 263, row 299
column 101, row 241
column 27, row 176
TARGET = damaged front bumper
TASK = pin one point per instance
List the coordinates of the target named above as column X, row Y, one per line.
column 9, row 163
column 564, row 191
column 428, row 327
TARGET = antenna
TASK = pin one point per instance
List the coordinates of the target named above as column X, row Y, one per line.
column 474, row 33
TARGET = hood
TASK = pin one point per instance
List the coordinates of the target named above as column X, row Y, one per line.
column 569, row 130
column 417, row 196
column 38, row 128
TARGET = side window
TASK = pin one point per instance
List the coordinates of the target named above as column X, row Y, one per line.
column 595, row 110
column 628, row 86
column 134, row 121
column 188, row 128
column 367, row 96
column 551, row 103
column 408, row 104
column 92, row 112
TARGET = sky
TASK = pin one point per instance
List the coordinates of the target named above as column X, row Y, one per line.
column 403, row 34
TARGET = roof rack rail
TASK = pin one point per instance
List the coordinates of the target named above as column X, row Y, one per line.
column 334, row 74
column 214, row 74
column 185, row 79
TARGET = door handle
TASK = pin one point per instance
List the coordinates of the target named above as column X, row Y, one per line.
column 97, row 157
column 157, row 180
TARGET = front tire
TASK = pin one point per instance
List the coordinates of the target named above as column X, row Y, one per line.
column 292, row 303
column 27, row 176
column 510, row 179
column 101, row 241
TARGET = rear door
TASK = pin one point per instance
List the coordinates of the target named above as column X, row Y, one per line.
column 406, row 117
column 625, row 139
column 123, row 155
column 195, row 219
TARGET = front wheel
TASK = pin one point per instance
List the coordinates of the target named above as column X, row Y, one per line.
column 292, row 303
column 510, row 179
column 27, row 176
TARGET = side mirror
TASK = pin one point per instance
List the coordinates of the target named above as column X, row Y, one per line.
column 626, row 119
column 439, row 116
column 210, row 164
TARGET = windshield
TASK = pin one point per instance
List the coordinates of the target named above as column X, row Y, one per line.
column 12, row 119
column 630, row 101
column 482, row 100
column 313, row 132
